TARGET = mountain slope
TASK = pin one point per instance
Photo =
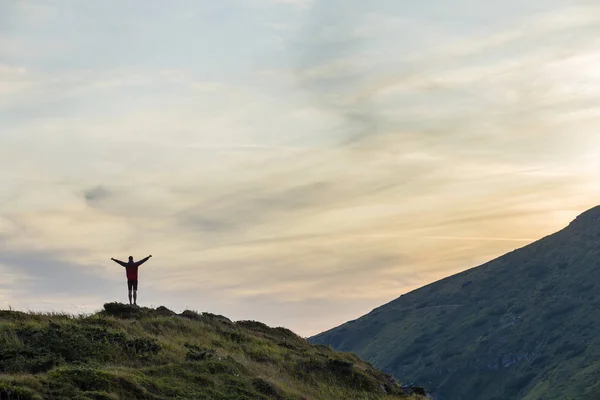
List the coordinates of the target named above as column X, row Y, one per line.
column 138, row 353
column 523, row 326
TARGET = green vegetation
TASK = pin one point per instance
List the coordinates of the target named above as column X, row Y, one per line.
column 126, row 352
column 523, row 326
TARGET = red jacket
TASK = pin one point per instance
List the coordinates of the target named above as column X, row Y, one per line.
column 131, row 268
column 131, row 271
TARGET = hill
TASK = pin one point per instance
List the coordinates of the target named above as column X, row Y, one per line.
column 125, row 352
column 523, row 326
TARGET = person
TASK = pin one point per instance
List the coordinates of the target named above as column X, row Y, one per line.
column 131, row 271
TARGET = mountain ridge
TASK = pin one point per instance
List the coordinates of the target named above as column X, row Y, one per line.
column 125, row 352
column 519, row 326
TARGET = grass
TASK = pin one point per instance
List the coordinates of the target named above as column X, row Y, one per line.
column 140, row 353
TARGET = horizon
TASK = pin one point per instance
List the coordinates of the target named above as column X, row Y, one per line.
column 294, row 162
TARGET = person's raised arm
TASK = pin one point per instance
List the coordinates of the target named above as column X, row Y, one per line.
column 121, row 263
column 143, row 260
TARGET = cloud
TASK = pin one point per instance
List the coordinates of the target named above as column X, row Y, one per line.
column 387, row 148
column 474, row 80
column 48, row 273
column 527, row 240
column 14, row 80
column 296, row 3
column 96, row 194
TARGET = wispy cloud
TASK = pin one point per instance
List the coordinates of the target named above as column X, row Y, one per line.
column 370, row 149
column 481, row 238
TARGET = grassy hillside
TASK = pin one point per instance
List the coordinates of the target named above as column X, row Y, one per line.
column 139, row 353
column 523, row 326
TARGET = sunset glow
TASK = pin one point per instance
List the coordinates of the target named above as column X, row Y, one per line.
column 293, row 162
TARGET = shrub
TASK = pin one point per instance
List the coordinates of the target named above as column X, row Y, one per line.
column 267, row 388
column 233, row 335
column 11, row 392
column 340, row 371
column 191, row 315
column 197, row 353
column 522, row 382
column 47, row 346
column 214, row 318
column 121, row 310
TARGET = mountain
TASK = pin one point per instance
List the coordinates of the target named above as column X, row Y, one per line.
column 129, row 353
column 523, row 326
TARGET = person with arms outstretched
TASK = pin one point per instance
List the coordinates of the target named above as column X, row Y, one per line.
column 131, row 270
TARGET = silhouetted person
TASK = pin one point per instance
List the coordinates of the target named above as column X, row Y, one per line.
column 131, row 270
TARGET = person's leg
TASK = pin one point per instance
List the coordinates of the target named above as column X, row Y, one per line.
column 129, row 287
column 135, row 285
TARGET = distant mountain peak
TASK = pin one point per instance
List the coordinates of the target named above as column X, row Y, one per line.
column 522, row 326
column 588, row 219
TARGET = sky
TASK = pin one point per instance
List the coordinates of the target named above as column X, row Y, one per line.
column 296, row 162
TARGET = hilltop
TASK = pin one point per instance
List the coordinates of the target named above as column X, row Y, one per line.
column 125, row 352
column 523, row 326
